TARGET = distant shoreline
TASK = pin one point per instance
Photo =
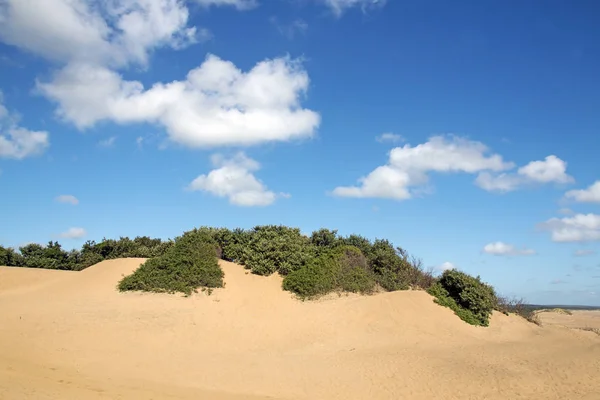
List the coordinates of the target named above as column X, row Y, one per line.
column 563, row 306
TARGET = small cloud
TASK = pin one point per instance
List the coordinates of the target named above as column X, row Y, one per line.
column 583, row 252
column 17, row 142
column 389, row 137
column 504, row 249
column 578, row 228
column 108, row 142
column 67, row 199
column 234, row 179
column 557, row 282
column 588, row 195
column 73, row 233
column 445, row 266
column 298, row 26
column 550, row 170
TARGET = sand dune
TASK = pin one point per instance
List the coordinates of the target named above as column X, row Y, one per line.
column 67, row 335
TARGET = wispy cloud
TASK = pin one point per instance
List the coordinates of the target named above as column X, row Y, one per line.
column 389, row 137
column 67, row 199
column 292, row 29
column 110, row 142
column 73, row 233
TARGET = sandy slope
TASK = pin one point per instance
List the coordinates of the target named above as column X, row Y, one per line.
column 578, row 319
column 73, row 336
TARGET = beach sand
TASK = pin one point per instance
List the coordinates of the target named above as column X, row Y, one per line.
column 72, row 335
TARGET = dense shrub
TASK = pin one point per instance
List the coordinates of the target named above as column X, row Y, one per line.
column 471, row 299
column 9, row 257
column 189, row 264
column 274, row 248
column 342, row 268
column 325, row 239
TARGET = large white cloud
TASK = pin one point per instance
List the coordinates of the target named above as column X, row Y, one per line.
column 217, row 104
column 234, row 179
column 589, row 195
column 578, row 228
column 505, row 249
column 550, row 170
column 408, row 167
column 17, row 142
column 112, row 32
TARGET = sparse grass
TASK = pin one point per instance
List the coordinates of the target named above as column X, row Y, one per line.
column 558, row 311
column 518, row 307
column 590, row 329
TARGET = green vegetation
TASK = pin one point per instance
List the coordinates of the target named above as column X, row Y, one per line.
column 471, row 299
column 343, row 269
column 187, row 265
column 52, row 256
column 312, row 266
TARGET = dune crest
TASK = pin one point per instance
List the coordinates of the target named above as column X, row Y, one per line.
column 72, row 335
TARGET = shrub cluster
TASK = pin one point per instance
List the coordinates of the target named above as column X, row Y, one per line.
column 471, row 299
column 187, row 265
column 53, row 256
column 343, row 268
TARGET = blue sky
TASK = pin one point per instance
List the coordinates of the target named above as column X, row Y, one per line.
column 466, row 132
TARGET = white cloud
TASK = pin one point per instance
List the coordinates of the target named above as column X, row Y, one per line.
column 389, row 137
column 109, row 32
column 20, row 143
column 583, row 252
column 234, row 179
column 408, row 167
column 589, row 195
column 445, row 266
column 67, row 199
column 217, row 104
column 578, row 228
column 297, row 26
column 504, row 249
column 339, row 6
column 17, row 142
column 74, row 233
column 551, row 169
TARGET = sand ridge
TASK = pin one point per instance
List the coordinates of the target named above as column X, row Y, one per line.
column 72, row 335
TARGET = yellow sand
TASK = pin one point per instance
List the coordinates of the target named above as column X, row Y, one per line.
column 66, row 335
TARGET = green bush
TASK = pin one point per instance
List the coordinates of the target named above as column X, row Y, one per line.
column 189, row 264
column 471, row 299
column 274, row 248
column 343, row 269
column 9, row 257
column 325, row 240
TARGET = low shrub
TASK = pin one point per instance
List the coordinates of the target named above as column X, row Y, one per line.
column 189, row 264
column 273, row 248
column 471, row 299
column 343, row 268
column 518, row 307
